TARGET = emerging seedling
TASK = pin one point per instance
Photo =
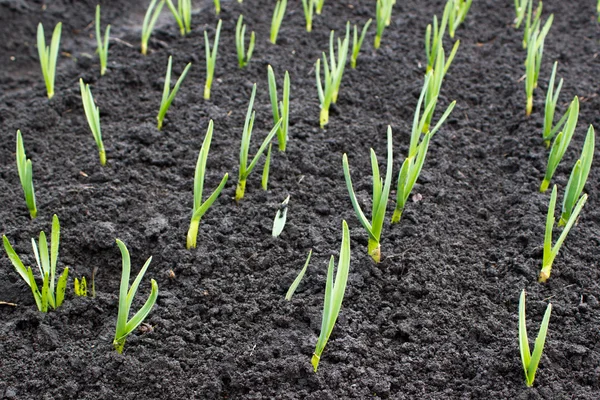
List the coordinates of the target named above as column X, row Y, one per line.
column 92, row 114
column 281, row 109
column 550, row 252
column 201, row 208
column 551, row 101
column 149, row 21
column 182, row 14
column 298, row 279
column 533, row 62
column 458, row 13
column 561, row 143
column 80, row 287
column 25, row 170
column 280, row 217
column 278, row 14
column 520, row 9
column 211, row 59
column 319, row 6
column 309, row 8
column 46, row 263
column 124, row 327
column 240, row 31
column 218, row 7
column 357, row 43
column 531, row 360
column 383, row 14
column 266, row 168
column 334, row 294
column 168, row 94
column 48, row 55
column 102, row 44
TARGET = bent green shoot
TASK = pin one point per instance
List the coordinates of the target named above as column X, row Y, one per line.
column 149, row 21
column 281, row 109
column 520, row 10
column 125, row 327
column 169, row 95
column 334, row 294
column 211, row 59
column 182, row 14
column 80, row 287
column 434, row 37
column 266, row 168
column 278, row 14
column 551, row 100
column 25, row 170
column 383, row 15
column 92, row 114
column 102, row 44
column 240, row 32
column 46, row 261
column 578, row 177
column 319, row 6
column 357, row 43
column 294, row 285
column 200, row 208
column 531, row 25
column 48, row 55
column 561, row 143
column 533, row 62
column 530, row 360
column 458, row 13
column 309, row 9
column 280, row 218
column 381, row 193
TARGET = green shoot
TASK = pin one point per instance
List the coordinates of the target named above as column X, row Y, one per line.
column 240, row 31
column 278, row 14
column 434, row 37
column 182, row 14
column 309, row 8
column 149, row 21
column 531, row 26
column 457, row 15
column 357, row 43
column 102, row 44
column 281, row 110
column 201, row 208
column 531, row 360
column 245, row 168
column 211, row 59
column 435, row 83
column 334, row 294
column 168, row 94
column 550, row 252
column 520, row 9
column 266, row 168
column 383, row 14
column 561, row 143
column 551, row 101
column 125, row 327
column 319, row 6
column 25, row 170
column 294, row 285
column 46, row 263
column 80, row 287
column 48, row 55
column 533, row 62
column 333, row 77
column 381, row 192
column 280, row 218
column 578, row 177
column 217, row 7
column 92, row 113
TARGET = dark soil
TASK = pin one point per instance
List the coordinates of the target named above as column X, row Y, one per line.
column 436, row 319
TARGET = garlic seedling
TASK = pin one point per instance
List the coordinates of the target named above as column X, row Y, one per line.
column 168, row 94
column 243, row 55
column 357, row 43
column 549, row 131
column 92, row 114
column 48, row 55
column 149, row 21
column 102, row 44
column 458, row 13
column 281, row 109
column 211, row 59
column 530, row 360
column 309, row 8
column 294, row 285
column 277, row 19
column 25, row 170
column 182, row 14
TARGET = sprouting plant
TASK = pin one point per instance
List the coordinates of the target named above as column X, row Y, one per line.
column 280, row 217
column 169, row 95
column 46, row 262
column 550, row 252
column 533, row 62
column 294, row 285
column 125, row 327
column 102, row 44
column 149, row 21
column 309, row 8
column 434, row 37
column 434, row 85
column 278, row 14
column 578, row 177
column 458, row 13
column 383, row 15
column 25, row 170
column 80, row 287
column 182, row 14
column 531, row 360
column 200, row 208
column 240, row 32
column 334, row 294
column 245, row 168
column 319, row 6
column 520, row 9
column 281, row 109
column 266, row 168
column 551, row 100
column 357, row 43
column 561, row 143
column 531, row 25
column 381, row 192
column 211, row 59
column 92, row 114
column 48, row 55
column 218, row 6
column 332, row 73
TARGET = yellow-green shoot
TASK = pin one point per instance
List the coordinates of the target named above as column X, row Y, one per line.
column 278, row 14
column 46, row 261
column 531, row 25
column 281, row 109
column 458, row 13
column 551, row 100
column 309, row 9
column 520, row 10
column 381, row 193
column 535, row 51
column 530, row 360
column 149, row 21
column 334, row 294
column 240, row 32
column 245, row 168
column 561, row 143
column 383, row 15
column 169, row 95
column 211, row 59
column 48, row 55
column 319, row 6
column 125, row 327
column 434, row 37
column 435, row 83
column 200, row 208
column 357, row 42
column 280, row 218
column 182, row 14
column 294, row 285
column 102, row 43
column 92, row 114
column 25, row 170
column 266, row 168
column 217, row 7
column 80, row 287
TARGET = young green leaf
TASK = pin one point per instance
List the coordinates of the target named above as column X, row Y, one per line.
column 280, row 218
column 434, row 37
column 383, row 15
column 531, row 360
column 149, row 21
column 319, row 6
column 25, row 170
column 357, row 43
column 457, row 14
column 520, row 10
column 266, row 168
column 533, row 61
column 551, row 100
column 298, row 279
column 182, row 14
column 278, row 15
column 309, row 8
column 281, row 110
column 102, row 44
column 217, row 6
column 48, row 55
column 531, row 25
column 240, row 31
column 211, row 59
column 169, row 95
column 92, row 114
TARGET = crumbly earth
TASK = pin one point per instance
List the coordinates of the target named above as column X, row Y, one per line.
column 436, row 319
